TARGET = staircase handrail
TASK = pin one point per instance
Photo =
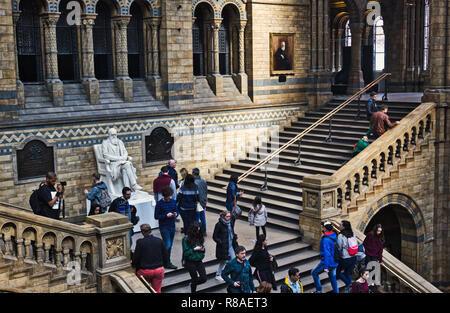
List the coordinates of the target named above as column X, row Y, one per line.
column 312, row 127
column 397, row 268
column 387, row 151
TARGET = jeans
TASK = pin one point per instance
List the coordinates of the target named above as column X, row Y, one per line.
column 195, row 267
column 263, row 229
column 224, row 262
column 188, row 217
column 167, row 234
column 332, row 274
column 201, row 217
column 347, row 266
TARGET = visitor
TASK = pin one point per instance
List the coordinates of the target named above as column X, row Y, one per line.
column 232, row 197
column 183, row 173
column 95, row 196
column 371, row 108
column 95, row 210
column 292, row 283
column 173, row 172
column 50, row 199
column 262, row 260
column 226, row 241
column 379, row 120
column 347, row 243
column 187, row 201
column 238, row 273
column 162, row 181
column 166, row 213
column 264, row 287
column 361, row 285
column 202, row 199
column 193, row 254
column 327, row 263
column 122, row 206
column 374, row 244
column 148, row 258
column 360, row 146
column 257, row 216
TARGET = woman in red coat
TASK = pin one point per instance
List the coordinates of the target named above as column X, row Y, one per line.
column 373, row 244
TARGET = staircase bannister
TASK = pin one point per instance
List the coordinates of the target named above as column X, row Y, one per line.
column 327, row 116
column 382, row 156
column 397, row 268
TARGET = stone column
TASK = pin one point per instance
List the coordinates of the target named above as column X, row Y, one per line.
column 411, row 78
column 215, row 80
column 319, row 71
column 123, row 81
column 153, row 76
column 88, row 79
column 241, row 79
column 355, row 78
column 339, row 50
column 319, row 204
column 54, row 84
column 20, row 88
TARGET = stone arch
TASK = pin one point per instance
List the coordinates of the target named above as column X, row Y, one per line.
column 238, row 4
column 29, row 233
column 68, row 243
column 49, row 239
column 216, row 10
column 413, row 231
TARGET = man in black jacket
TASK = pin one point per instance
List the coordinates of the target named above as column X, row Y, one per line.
column 149, row 256
column 50, row 198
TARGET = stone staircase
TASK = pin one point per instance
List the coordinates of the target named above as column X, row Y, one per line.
column 38, row 104
column 231, row 96
column 284, row 195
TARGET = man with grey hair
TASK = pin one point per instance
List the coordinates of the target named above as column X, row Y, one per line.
column 118, row 163
column 149, row 257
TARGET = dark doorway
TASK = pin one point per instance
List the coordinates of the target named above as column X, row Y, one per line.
column 224, row 48
column 28, row 38
column 67, row 43
column 135, row 40
column 102, row 42
column 198, row 49
column 387, row 217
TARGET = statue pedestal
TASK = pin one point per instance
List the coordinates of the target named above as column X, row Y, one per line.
column 145, row 206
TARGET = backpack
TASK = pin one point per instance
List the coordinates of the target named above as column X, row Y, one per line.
column 352, row 246
column 105, row 200
column 336, row 255
column 34, row 202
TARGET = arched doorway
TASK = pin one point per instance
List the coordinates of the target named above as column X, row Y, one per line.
column 229, row 41
column 135, row 42
column 103, row 61
column 28, row 39
column 201, row 39
column 67, row 43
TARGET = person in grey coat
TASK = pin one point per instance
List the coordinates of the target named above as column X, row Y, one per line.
column 257, row 216
column 202, row 198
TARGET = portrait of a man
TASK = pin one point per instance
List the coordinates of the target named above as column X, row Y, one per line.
column 282, row 54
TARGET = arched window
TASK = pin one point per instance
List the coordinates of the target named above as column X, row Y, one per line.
column 348, row 35
column 426, row 33
column 378, row 44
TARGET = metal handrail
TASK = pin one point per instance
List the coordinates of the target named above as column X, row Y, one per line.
column 312, row 127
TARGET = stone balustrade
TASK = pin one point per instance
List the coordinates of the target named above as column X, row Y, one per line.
column 98, row 248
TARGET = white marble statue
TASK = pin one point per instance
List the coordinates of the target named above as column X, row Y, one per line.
column 118, row 163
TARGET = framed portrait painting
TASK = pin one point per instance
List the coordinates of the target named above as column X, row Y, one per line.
column 281, row 53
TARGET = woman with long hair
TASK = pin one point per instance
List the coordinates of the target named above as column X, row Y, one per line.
column 187, row 201
column 262, row 261
column 347, row 261
column 193, row 254
column 374, row 244
column 258, row 216
column 183, row 173
column 361, row 285
column 226, row 241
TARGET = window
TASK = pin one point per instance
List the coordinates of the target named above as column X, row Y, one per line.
column 426, row 36
column 348, row 35
column 378, row 45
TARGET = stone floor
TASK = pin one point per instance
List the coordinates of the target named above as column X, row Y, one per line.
column 246, row 236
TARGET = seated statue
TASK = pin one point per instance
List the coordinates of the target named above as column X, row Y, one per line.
column 118, row 163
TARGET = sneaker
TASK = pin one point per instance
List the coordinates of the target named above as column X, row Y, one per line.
column 171, row 266
column 219, row 278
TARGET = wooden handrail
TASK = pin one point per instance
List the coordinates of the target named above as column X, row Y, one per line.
column 312, row 127
column 147, row 284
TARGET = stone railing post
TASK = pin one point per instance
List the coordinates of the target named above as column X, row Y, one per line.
column 53, row 83
column 241, row 79
column 123, row 81
column 88, row 80
column 113, row 252
column 319, row 204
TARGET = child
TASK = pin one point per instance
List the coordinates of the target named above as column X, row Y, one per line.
column 257, row 216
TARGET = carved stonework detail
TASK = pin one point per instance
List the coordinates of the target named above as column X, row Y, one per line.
column 114, row 248
column 327, row 200
column 312, row 200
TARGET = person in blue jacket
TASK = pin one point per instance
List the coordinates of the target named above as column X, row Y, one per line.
column 96, row 192
column 327, row 263
column 232, row 197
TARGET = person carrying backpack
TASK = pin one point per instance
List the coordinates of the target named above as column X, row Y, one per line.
column 327, row 263
column 348, row 249
column 99, row 194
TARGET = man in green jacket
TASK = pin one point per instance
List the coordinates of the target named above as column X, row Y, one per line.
column 360, row 146
column 240, row 272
